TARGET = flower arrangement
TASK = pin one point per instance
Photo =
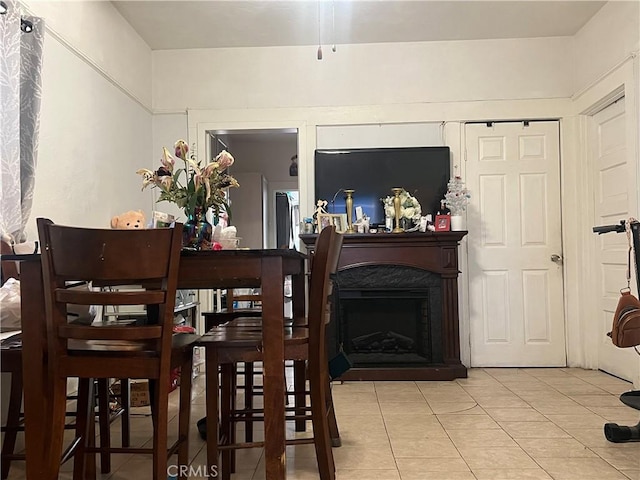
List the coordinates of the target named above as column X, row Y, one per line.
column 409, row 207
column 457, row 196
column 203, row 187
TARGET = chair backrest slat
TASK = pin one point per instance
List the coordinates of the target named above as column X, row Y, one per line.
column 87, row 297
column 109, row 255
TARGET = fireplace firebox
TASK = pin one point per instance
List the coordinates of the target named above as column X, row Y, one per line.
column 388, row 315
column 396, row 306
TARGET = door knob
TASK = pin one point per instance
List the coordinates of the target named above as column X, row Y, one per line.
column 555, row 258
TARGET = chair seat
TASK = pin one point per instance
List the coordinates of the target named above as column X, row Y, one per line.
column 244, row 338
column 255, row 323
column 108, row 348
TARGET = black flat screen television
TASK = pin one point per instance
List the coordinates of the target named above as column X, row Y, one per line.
column 373, row 172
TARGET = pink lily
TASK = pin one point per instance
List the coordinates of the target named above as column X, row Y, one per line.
column 167, row 160
column 224, row 159
column 181, row 149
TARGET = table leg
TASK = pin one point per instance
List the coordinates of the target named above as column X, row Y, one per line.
column 273, row 367
column 299, row 367
column 212, row 386
column 36, row 401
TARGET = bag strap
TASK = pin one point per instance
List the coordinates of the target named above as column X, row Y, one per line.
column 629, row 252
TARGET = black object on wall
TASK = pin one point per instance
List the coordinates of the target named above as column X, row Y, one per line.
column 373, row 172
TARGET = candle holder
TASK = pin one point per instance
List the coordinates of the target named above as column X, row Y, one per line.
column 349, row 206
column 396, row 208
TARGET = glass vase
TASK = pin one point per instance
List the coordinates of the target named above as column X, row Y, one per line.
column 406, row 224
column 197, row 231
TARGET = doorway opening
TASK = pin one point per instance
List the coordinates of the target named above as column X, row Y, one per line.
column 262, row 168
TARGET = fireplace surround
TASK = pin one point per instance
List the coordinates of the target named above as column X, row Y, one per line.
column 396, row 306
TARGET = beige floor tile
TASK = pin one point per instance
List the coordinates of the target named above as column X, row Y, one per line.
column 486, row 390
column 481, row 438
column 407, row 408
column 533, row 430
column 501, row 401
column 554, row 448
column 354, row 408
column 604, row 400
column 369, row 458
column 589, row 420
column 622, row 415
column 511, row 474
column 348, row 397
column 579, row 469
column 424, row 448
column 413, row 426
column 496, row 458
column 497, row 424
column 463, row 408
column 362, row 431
column 623, row 458
column 407, row 396
column 592, row 437
column 439, row 385
column 467, row 422
column 422, row 465
column 353, row 387
column 348, row 474
column 411, row 475
column 566, row 408
column 587, row 389
column 632, row 474
column 524, row 414
column 395, row 386
column 453, row 396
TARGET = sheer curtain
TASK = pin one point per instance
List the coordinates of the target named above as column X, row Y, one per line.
column 21, row 41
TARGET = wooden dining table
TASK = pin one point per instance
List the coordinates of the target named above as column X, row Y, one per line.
column 263, row 268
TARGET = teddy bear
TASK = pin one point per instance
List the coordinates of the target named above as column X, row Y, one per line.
column 130, row 219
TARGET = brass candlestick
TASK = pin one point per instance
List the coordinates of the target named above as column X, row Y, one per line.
column 396, row 208
column 349, row 205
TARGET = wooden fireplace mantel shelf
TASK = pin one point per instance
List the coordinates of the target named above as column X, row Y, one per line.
column 436, row 252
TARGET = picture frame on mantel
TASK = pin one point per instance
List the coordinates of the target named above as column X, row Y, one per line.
column 324, row 220
column 442, row 223
column 327, row 219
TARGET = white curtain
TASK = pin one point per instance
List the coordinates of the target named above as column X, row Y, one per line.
column 21, row 41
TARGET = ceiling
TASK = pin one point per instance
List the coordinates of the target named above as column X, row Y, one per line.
column 268, row 23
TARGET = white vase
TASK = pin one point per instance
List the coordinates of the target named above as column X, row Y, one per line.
column 457, row 223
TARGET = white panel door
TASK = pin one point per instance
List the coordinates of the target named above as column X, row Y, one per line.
column 612, row 180
column 515, row 287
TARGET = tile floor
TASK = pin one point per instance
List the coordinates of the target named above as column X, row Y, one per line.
column 500, row 423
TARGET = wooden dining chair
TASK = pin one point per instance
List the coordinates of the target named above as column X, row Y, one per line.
column 149, row 260
column 229, row 345
column 11, row 363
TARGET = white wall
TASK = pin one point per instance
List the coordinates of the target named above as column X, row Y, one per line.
column 93, row 138
column 97, row 31
column 95, row 126
column 605, row 41
column 367, row 74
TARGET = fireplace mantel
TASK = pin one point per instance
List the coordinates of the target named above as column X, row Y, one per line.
column 435, row 252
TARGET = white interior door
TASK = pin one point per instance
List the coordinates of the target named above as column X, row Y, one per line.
column 515, row 255
column 613, row 181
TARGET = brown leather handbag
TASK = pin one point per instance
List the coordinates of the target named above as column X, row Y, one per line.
column 626, row 321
